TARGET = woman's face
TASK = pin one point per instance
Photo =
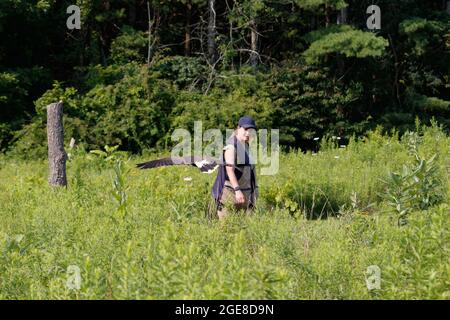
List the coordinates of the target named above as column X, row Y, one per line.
column 244, row 135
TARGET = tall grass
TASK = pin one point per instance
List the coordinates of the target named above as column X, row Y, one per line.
column 164, row 248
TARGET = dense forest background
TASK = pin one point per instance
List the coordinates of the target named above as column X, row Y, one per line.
column 138, row 69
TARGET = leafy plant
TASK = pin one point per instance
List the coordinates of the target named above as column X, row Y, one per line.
column 110, row 154
column 418, row 186
column 120, row 188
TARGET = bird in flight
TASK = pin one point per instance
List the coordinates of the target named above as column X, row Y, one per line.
column 206, row 165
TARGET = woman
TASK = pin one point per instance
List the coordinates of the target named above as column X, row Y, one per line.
column 235, row 186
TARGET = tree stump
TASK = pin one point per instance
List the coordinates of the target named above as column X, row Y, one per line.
column 56, row 154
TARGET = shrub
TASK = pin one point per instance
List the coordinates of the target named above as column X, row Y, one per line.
column 418, row 187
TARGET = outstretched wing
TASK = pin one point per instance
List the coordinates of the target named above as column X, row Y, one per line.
column 156, row 163
column 206, row 165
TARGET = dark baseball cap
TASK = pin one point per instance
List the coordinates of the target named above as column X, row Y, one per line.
column 247, row 122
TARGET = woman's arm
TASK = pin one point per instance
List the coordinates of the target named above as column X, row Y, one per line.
column 229, row 159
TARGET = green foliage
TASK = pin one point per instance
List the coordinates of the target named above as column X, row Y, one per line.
column 16, row 86
column 10, row 93
column 109, row 155
column 129, row 46
column 418, row 187
column 185, row 72
column 69, row 96
column 320, row 189
column 314, row 4
column 164, row 248
column 313, row 78
column 307, row 105
column 30, row 141
column 350, row 43
column 5, row 134
column 419, row 270
column 120, row 189
column 146, row 236
column 320, row 33
column 107, row 75
column 131, row 112
column 422, row 33
column 428, row 104
column 214, row 109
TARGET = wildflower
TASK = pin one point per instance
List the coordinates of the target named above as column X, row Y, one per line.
column 336, row 157
column 341, row 146
column 187, row 179
column 316, row 138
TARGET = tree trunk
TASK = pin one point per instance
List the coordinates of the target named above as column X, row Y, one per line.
column 212, row 53
column 327, row 15
column 342, row 16
column 313, row 23
column 341, row 19
column 56, row 155
column 232, row 44
column 187, row 34
column 132, row 13
column 105, row 34
column 254, row 56
column 149, row 45
column 397, row 70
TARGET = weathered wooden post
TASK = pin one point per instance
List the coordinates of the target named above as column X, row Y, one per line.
column 56, row 155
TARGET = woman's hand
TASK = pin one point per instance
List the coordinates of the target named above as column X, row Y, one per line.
column 240, row 198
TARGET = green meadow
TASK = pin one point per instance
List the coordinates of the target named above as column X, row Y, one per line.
column 322, row 224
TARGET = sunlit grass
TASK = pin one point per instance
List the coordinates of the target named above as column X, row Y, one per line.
column 165, row 248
